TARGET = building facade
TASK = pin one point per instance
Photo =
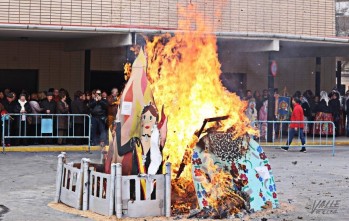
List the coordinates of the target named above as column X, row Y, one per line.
column 70, row 42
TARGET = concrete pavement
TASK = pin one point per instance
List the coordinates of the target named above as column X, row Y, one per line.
column 27, row 183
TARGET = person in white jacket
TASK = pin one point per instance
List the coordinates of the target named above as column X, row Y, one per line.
column 251, row 112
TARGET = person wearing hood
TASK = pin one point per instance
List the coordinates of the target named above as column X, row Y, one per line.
column 22, row 122
column 322, row 106
column 251, row 112
column 323, row 113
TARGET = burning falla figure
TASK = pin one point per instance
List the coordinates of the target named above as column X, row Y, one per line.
column 230, row 175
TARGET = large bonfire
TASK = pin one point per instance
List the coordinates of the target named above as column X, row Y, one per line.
column 185, row 74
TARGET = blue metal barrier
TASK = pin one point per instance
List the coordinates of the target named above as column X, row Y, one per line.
column 317, row 133
column 44, row 125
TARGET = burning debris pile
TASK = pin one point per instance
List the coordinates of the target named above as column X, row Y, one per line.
column 224, row 171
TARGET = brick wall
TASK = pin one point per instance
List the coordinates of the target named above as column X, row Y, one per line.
column 305, row 17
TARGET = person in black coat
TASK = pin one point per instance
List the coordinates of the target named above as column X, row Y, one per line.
column 322, row 107
column 22, row 106
column 2, row 98
column 98, row 107
column 78, row 106
column 347, row 112
column 335, row 106
column 10, row 127
column 50, row 107
column 62, row 119
column 2, row 111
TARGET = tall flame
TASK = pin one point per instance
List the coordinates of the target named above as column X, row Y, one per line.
column 185, row 74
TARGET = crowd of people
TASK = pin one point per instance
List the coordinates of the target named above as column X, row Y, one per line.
column 56, row 104
column 323, row 107
column 103, row 108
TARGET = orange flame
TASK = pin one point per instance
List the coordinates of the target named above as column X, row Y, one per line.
column 185, row 73
column 184, row 70
column 127, row 70
column 221, row 195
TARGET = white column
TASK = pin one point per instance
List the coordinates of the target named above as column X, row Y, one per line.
column 112, row 188
column 85, row 186
column 118, row 188
column 168, row 190
column 61, row 159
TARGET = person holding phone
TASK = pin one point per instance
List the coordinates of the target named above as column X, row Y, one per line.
column 98, row 107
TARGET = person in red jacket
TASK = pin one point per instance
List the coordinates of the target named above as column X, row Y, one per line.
column 296, row 127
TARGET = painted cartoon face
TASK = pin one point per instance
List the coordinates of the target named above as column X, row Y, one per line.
column 148, row 121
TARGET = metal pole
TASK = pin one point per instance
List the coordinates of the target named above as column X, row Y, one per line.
column 89, row 133
column 112, row 189
column 85, row 187
column 271, row 100
column 339, row 76
column 317, row 75
column 3, row 132
column 118, row 188
column 73, row 127
column 168, row 190
column 67, row 135
column 61, row 159
column 87, row 70
column 333, row 137
column 57, row 117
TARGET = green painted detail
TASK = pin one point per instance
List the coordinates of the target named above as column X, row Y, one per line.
column 251, row 147
column 247, row 161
